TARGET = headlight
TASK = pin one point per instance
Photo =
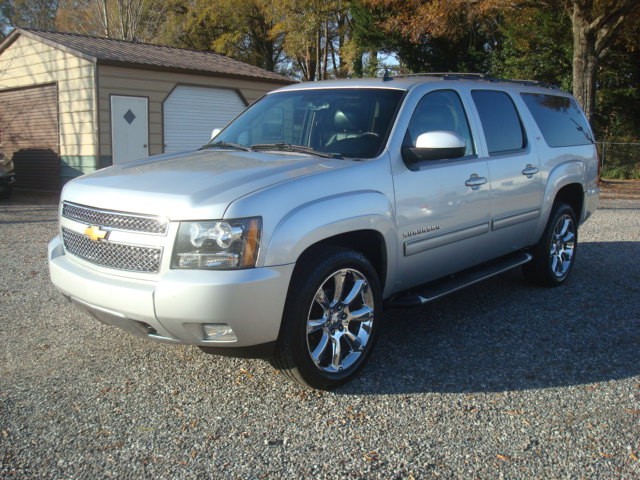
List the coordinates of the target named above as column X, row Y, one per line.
column 217, row 244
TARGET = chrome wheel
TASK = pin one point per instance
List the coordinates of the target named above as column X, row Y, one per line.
column 555, row 252
column 340, row 321
column 331, row 318
column 562, row 246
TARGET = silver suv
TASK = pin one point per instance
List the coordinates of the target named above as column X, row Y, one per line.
column 284, row 236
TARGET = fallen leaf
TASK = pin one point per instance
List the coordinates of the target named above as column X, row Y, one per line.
column 372, row 456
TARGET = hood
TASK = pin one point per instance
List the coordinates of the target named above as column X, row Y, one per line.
column 194, row 185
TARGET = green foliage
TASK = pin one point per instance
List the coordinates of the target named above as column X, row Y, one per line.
column 242, row 30
column 620, row 160
column 536, row 44
column 365, row 37
column 375, row 25
column 628, row 172
column 618, row 102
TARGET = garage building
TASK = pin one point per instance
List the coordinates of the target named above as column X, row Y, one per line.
column 71, row 104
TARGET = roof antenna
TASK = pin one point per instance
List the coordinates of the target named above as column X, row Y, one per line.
column 387, row 76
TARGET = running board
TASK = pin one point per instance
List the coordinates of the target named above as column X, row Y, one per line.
column 435, row 290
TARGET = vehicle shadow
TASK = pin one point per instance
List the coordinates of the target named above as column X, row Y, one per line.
column 504, row 334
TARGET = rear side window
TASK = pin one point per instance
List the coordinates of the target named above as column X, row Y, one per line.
column 559, row 119
column 500, row 121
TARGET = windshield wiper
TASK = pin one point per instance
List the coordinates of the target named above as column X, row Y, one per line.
column 581, row 129
column 288, row 147
column 233, row 146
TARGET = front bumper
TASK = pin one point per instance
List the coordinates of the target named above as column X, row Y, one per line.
column 173, row 308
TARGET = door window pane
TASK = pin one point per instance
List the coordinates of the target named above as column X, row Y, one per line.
column 500, row 121
column 440, row 110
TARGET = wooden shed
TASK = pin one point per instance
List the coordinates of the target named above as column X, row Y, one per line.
column 70, row 104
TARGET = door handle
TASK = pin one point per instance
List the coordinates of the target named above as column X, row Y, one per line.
column 475, row 181
column 530, row 170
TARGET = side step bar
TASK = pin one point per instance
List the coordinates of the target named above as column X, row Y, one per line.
column 437, row 289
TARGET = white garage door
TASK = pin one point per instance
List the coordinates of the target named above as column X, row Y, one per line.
column 191, row 113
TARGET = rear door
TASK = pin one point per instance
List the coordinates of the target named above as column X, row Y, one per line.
column 514, row 168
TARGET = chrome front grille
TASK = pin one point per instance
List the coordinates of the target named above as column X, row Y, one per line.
column 113, row 255
column 115, row 220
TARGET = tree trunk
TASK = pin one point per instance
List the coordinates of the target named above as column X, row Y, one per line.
column 269, row 61
column 318, row 55
column 105, row 18
column 325, row 54
column 585, row 61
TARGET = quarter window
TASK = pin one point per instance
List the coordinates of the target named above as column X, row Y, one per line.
column 500, row 121
column 559, row 119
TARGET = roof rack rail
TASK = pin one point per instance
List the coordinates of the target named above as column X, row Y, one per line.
column 474, row 76
column 446, row 75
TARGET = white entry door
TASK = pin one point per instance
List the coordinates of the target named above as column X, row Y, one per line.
column 129, row 128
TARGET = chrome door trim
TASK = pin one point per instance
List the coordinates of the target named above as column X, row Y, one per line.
column 504, row 222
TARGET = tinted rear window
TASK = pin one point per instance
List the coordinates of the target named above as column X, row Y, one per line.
column 559, row 119
column 500, row 121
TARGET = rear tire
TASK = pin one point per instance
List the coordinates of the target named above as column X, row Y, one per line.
column 331, row 318
column 555, row 253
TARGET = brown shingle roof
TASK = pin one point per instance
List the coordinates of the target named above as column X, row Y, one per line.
column 156, row 57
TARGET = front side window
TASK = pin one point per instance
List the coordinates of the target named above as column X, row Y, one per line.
column 559, row 119
column 441, row 110
column 500, row 121
column 347, row 122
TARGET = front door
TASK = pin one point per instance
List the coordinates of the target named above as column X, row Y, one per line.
column 442, row 206
column 129, row 127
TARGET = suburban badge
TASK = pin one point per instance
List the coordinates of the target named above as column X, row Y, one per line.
column 420, row 230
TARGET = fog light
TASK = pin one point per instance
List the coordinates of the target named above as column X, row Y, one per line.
column 219, row 332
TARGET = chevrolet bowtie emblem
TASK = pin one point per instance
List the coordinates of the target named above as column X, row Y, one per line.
column 95, row 233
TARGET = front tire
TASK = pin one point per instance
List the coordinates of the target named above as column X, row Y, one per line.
column 331, row 318
column 555, row 253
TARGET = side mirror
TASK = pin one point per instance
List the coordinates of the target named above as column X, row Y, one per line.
column 215, row 132
column 436, row 145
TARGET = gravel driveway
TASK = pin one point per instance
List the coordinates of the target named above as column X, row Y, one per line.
column 500, row 380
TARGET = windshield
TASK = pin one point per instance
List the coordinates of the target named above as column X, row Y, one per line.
column 352, row 123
